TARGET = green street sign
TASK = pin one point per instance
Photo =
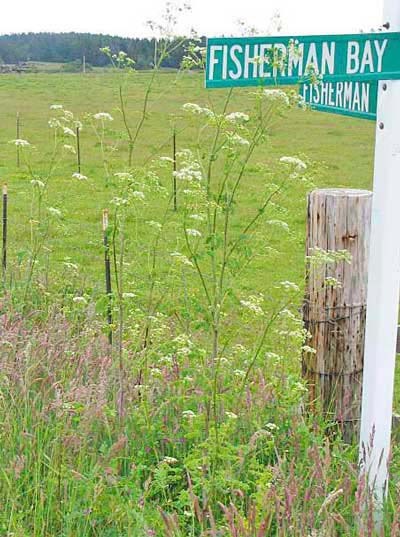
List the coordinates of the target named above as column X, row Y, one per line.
column 259, row 61
column 349, row 98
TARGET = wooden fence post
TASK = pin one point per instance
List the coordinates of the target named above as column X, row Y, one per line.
column 338, row 219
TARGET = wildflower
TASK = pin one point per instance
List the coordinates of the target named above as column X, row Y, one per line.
column 300, row 387
column 279, row 223
column 119, row 202
column 289, row 286
column 103, row 116
column 237, row 117
column 166, row 159
column 78, row 125
column 333, row 282
column 253, row 303
column 154, row 224
column 129, row 295
column 308, row 350
column 277, row 95
column 181, row 258
column 54, row 123
column 56, row 107
column 20, row 143
column 188, row 414
column 271, row 427
column 79, row 300
column 123, row 175
column 68, row 132
column 321, row 257
column 193, row 232
column 231, row 415
column 188, row 173
column 68, row 116
column 69, row 148
column 169, row 460
column 273, row 357
column 235, row 139
column 79, row 176
column 196, row 109
column 70, row 265
column 53, row 211
column 197, row 217
column 38, row 183
column 294, row 161
column 190, row 170
column 136, row 194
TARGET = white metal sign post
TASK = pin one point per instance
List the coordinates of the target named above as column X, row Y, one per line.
column 352, row 66
column 383, row 282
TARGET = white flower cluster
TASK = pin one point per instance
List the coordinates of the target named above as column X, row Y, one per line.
column 321, row 257
column 154, row 224
column 64, row 121
column 190, row 170
column 20, row 143
column 254, row 304
column 197, row 217
column 289, row 286
column 54, row 123
column 193, row 232
column 137, row 195
column 181, row 258
column 103, row 116
column 279, row 223
column 69, row 149
column 79, row 176
column 169, row 460
column 297, row 163
column 124, row 175
column 68, row 132
column 308, row 350
column 237, row 117
column 38, row 183
column 277, row 95
column 54, row 212
column 128, row 295
column 188, row 414
column 235, row 139
column 119, row 202
column 333, row 282
column 79, row 300
column 196, row 109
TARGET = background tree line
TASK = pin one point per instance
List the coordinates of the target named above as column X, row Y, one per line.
column 69, row 47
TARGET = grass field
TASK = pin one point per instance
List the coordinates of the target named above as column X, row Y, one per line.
column 73, row 465
column 345, row 146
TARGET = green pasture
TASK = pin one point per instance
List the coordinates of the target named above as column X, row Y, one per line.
column 344, row 145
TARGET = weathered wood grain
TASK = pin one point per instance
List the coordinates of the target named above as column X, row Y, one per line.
column 338, row 219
